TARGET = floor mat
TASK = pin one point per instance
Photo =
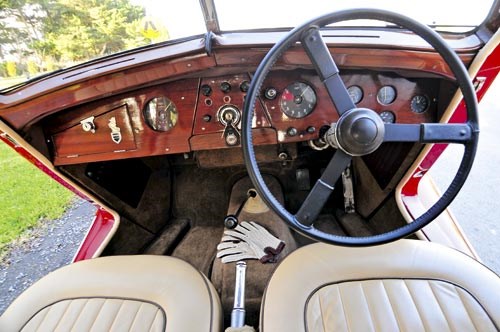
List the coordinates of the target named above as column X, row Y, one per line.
column 257, row 274
column 198, row 247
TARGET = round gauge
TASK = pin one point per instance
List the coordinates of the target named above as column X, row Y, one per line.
column 161, row 114
column 356, row 93
column 298, row 100
column 388, row 117
column 386, row 95
column 419, row 104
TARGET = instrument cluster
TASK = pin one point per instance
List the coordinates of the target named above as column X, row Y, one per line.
column 297, row 106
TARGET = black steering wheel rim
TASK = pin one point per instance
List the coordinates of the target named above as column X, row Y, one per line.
column 470, row 146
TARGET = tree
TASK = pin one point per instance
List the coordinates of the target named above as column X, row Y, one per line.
column 68, row 31
column 11, row 69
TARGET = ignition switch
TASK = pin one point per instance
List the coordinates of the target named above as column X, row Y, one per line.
column 229, row 116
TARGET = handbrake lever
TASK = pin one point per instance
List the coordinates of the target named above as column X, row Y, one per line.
column 238, row 313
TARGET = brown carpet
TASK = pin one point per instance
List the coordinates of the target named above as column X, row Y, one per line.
column 257, row 274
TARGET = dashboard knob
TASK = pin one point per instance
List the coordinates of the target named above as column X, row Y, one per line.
column 292, row 131
column 206, row 90
column 244, row 86
column 225, row 87
column 270, row 93
column 311, row 129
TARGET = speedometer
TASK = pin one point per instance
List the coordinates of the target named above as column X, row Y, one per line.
column 298, row 100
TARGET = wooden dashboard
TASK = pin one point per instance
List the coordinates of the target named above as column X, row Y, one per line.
column 117, row 127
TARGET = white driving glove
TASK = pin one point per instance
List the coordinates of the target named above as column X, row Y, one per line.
column 232, row 249
column 251, row 232
column 249, row 241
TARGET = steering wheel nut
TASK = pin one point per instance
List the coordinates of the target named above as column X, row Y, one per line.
column 358, row 132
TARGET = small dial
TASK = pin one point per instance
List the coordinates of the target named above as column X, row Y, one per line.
column 386, row 95
column 298, row 100
column 388, row 117
column 161, row 114
column 356, row 93
column 419, row 104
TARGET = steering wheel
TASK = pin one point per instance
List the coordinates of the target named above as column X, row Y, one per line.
column 360, row 131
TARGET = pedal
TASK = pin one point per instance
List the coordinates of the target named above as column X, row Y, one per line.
column 349, row 204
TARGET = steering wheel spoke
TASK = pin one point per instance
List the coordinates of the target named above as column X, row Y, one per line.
column 428, row 133
column 327, row 70
column 322, row 189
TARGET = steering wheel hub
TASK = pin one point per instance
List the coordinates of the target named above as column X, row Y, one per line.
column 358, row 132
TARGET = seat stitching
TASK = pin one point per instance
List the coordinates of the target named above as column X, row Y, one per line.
column 321, row 312
column 415, row 304
column 135, row 317
column 79, row 314
column 439, row 304
column 43, row 319
column 116, row 316
column 392, row 306
column 153, row 321
column 343, row 310
column 465, row 307
column 98, row 313
column 62, row 316
column 367, row 305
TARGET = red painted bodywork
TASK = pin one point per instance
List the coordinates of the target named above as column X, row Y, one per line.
column 103, row 221
column 101, row 227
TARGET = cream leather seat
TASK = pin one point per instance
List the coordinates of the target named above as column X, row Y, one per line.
column 120, row 293
column 403, row 286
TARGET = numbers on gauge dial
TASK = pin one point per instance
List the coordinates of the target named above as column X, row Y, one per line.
column 298, row 100
column 386, row 95
column 419, row 104
column 356, row 93
column 388, row 117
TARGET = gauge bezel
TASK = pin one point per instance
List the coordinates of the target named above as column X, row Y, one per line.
column 388, row 112
column 170, row 107
column 426, row 108
column 379, row 100
column 309, row 110
column 358, row 88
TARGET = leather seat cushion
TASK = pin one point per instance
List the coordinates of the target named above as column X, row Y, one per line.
column 403, row 286
column 119, row 293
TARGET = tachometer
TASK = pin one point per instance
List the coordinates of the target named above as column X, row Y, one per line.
column 298, row 100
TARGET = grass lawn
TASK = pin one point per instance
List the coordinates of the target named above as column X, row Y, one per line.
column 8, row 82
column 27, row 196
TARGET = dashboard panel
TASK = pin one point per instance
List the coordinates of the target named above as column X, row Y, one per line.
column 205, row 113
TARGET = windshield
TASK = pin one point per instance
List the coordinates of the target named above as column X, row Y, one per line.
column 37, row 38
column 449, row 15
